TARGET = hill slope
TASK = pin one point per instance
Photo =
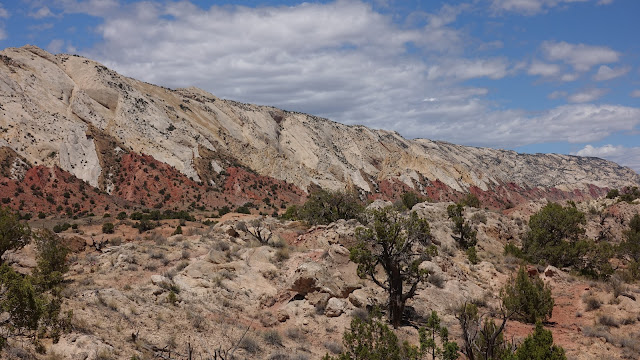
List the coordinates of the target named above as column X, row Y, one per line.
column 73, row 113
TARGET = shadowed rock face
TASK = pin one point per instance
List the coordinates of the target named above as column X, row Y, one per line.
column 76, row 114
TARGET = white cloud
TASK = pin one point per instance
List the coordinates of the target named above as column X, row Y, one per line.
column 605, row 2
column 543, row 69
column 55, row 46
column 627, row 156
column 341, row 60
column 569, row 77
column 4, row 14
column 607, row 73
column 464, row 69
column 529, row 7
column 587, row 95
column 557, row 95
column 635, row 93
column 582, row 57
column 41, row 13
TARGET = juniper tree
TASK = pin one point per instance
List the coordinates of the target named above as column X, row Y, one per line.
column 398, row 244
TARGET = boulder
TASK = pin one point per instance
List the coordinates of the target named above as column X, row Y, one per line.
column 335, row 307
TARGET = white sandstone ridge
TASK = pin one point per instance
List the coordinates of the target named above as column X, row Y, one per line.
column 50, row 103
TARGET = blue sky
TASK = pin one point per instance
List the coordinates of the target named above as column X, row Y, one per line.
column 557, row 76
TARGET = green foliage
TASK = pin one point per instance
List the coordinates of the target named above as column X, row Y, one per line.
column 243, row 210
column 553, row 234
column 392, row 240
column 472, row 255
column 409, row 199
column 482, row 337
column 630, row 194
column 51, row 260
column 223, row 211
column 13, row 234
column 145, row 225
column 371, row 339
column 512, row 249
column 539, row 346
column 108, row 228
column 471, row 201
column 178, row 230
column 463, row 233
column 324, row 207
column 292, row 213
column 33, row 303
column 613, row 193
column 630, row 246
column 121, row 215
column 527, row 298
column 428, row 343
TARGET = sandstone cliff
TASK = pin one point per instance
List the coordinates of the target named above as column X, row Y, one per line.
column 73, row 113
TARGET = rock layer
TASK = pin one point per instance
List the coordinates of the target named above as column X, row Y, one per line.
column 74, row 113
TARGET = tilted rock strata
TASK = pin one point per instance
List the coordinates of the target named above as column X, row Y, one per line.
column 74, row 113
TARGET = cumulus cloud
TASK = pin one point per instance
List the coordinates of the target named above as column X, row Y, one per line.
column 582, row 57
column 607, row 73
column 587, row 95
column 543, row 69
column 41, row 13
column 627, row 156
column 635, row 93
column 341, row 60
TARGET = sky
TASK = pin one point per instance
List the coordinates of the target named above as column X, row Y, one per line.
column 535, row 76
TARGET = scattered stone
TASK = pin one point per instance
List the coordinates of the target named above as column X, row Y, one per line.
column 335, row 307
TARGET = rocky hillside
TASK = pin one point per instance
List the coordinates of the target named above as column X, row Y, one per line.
column 70, row 115
column 156, row 295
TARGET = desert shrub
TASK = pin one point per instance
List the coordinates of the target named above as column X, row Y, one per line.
column 436, row 279
column 334, row 347
column 372, row 339
column 464, row 235
column 471, row 200
column 324, row 207
column 243, row 209
column 13, row 233
column 613, row 193
column 121, row 215
column 272, row 337
column 527, row 298
column 608, row 320
column 479, row 218
column 409, row 199
column 539, row 346
column 250, row 344
column 472, row 255
column 108, row 228
column 177, row 231
column 592, row 303
column 553, row 234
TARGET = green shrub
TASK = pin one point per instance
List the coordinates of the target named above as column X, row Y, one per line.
column 121, row 215
column 539, row 346
column 13, row 233
column 370, row 338
column 527, row 298
column 464, row 235
column 613, row 193
column 409, row 199
column 472, row 255
column 324, row 207
column 553, row 234
column 108, row 228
